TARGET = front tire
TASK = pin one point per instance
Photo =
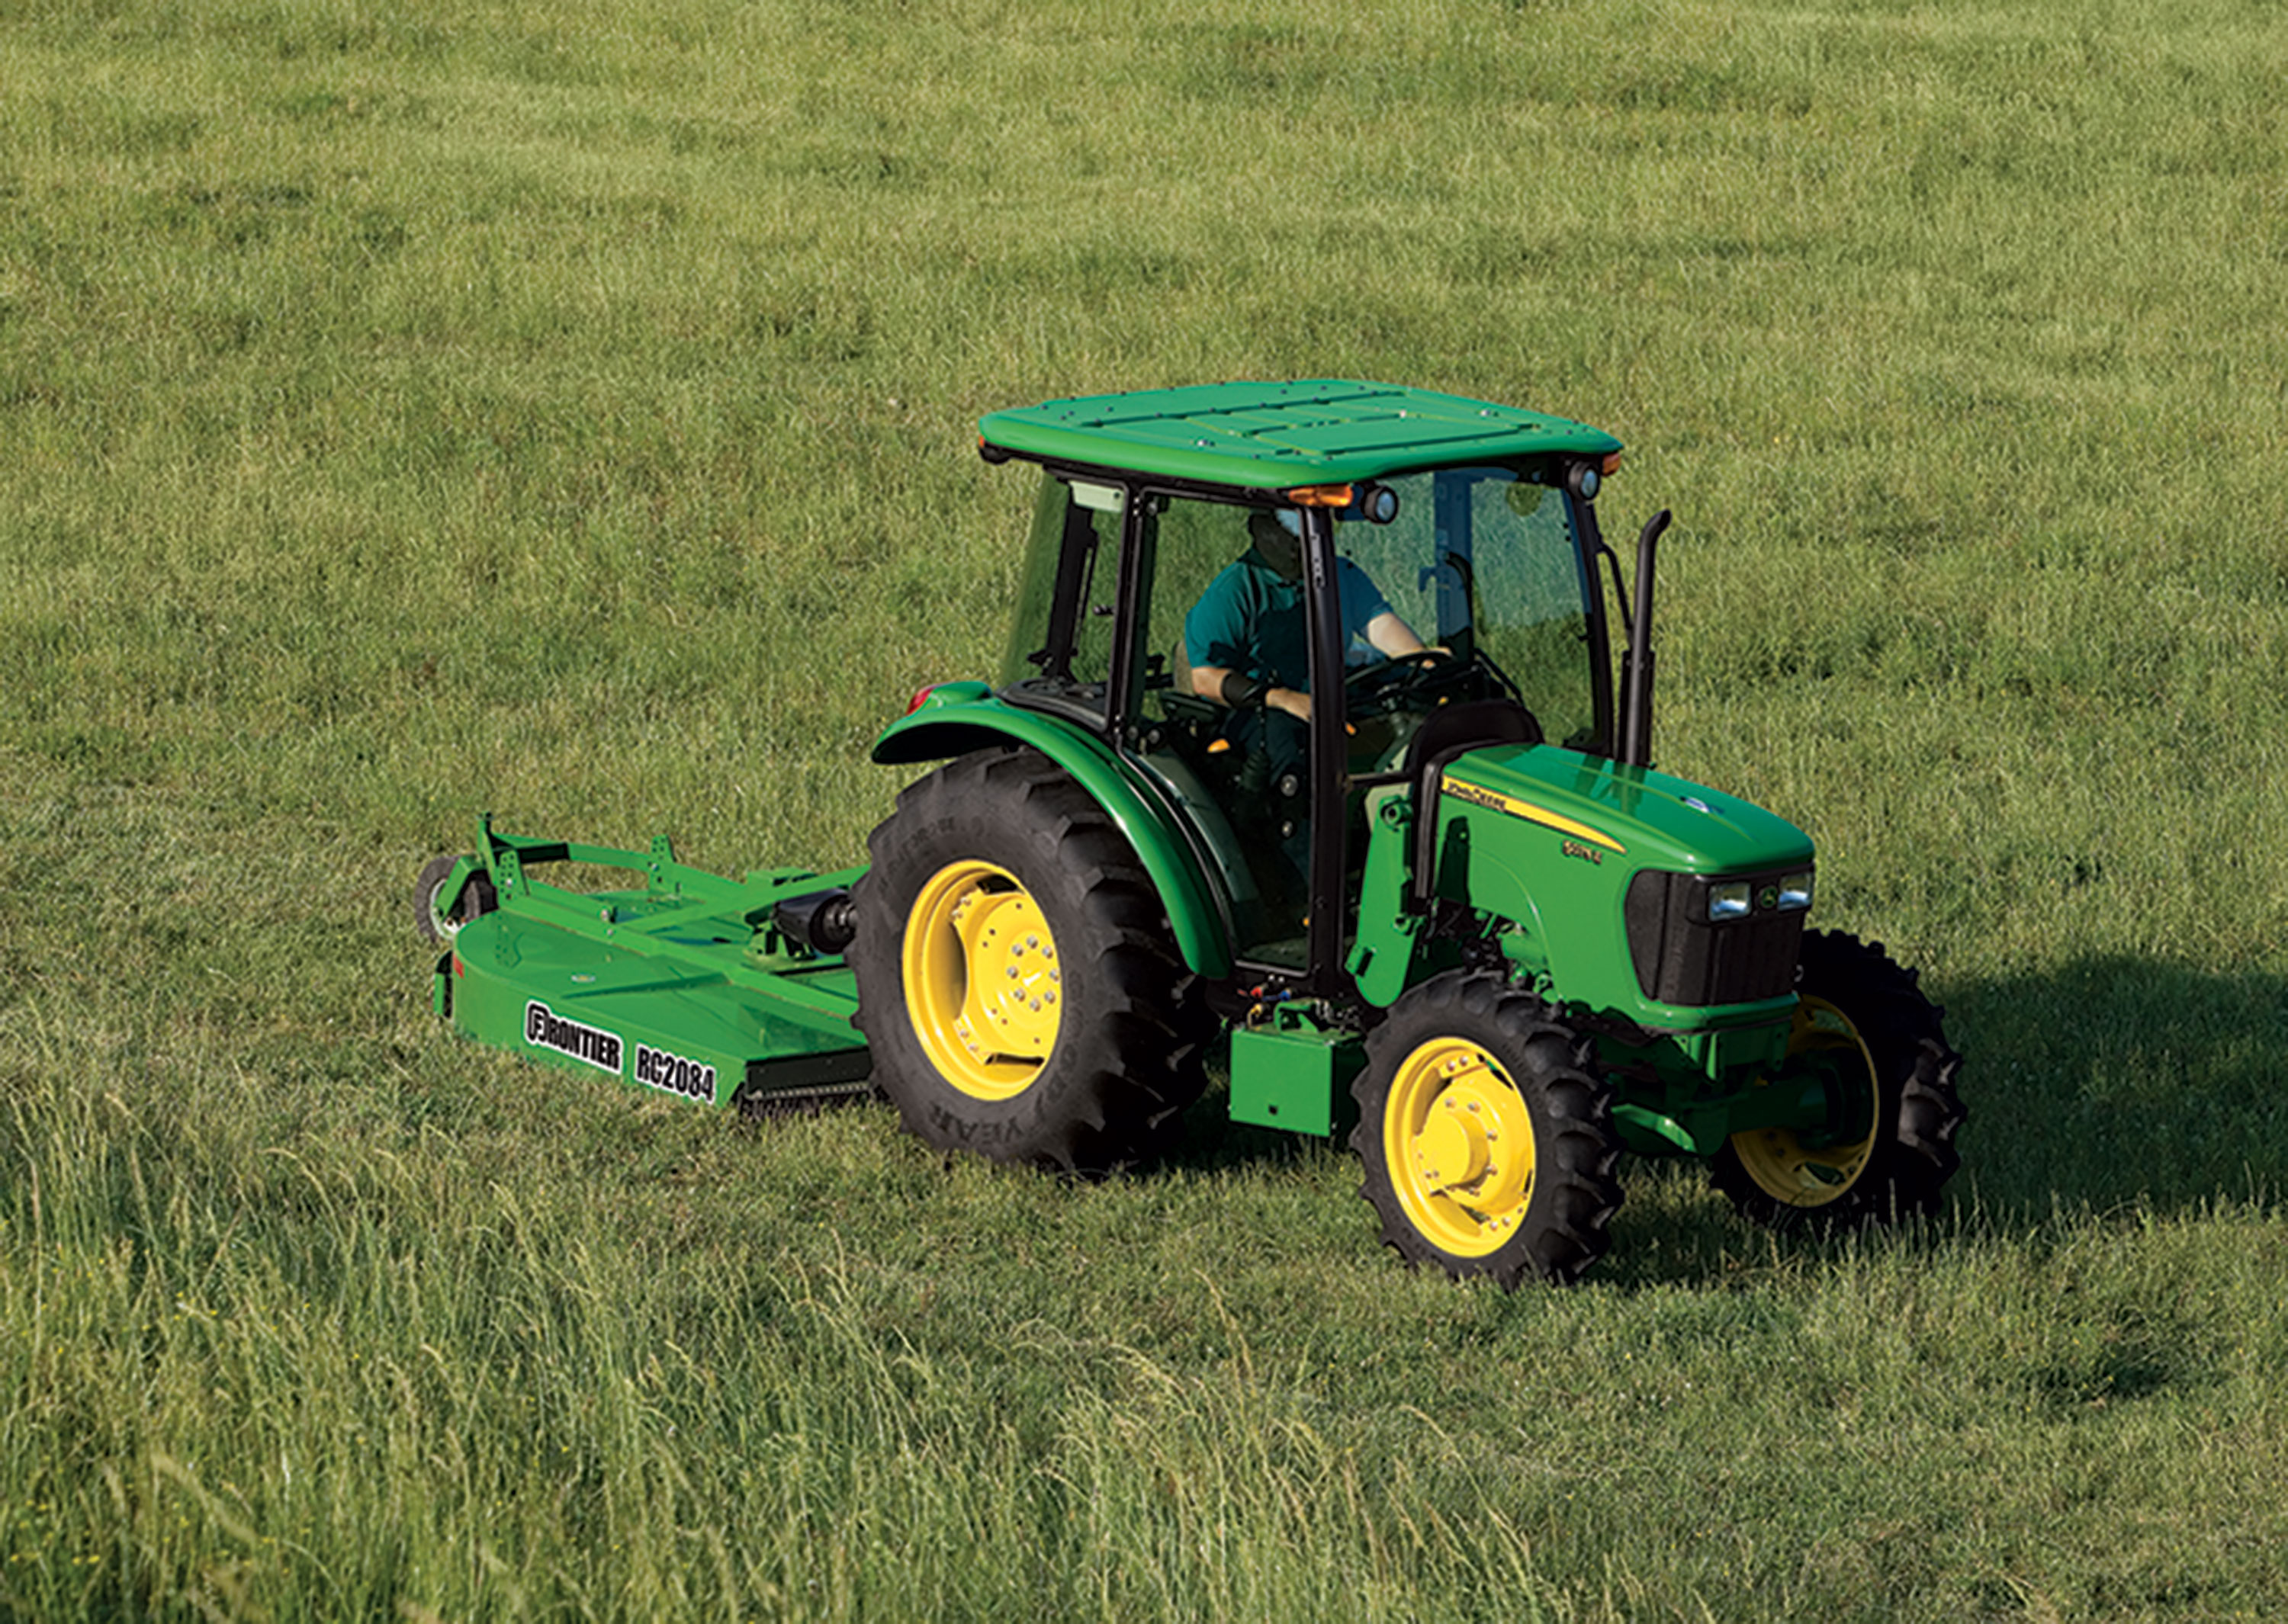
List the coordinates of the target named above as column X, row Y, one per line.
column 1016, row 978
column 1863, row 1014
column 1488, row 1142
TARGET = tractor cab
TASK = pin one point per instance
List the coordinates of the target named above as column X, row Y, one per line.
column 1263, row 660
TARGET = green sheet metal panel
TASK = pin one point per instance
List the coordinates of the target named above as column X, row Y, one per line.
column 1551, row 838
column 1295, row 1077
column 1652, row 817
column 564, row 998
column 1320, row 432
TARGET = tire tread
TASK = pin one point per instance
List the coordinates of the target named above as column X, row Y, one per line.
column 1118, row 1095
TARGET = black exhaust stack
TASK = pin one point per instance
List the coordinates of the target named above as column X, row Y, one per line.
column 1636, row 669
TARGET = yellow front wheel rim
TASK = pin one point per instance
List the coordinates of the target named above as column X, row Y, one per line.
column 1782, row 1167
column 983, row 984
column 1458, row 1143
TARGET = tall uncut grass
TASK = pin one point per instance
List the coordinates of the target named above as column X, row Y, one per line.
column 567, row 410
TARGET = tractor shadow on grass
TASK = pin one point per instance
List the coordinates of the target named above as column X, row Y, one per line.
column 2107, row 1083
column 1212, row 1142
column 2114, row 1081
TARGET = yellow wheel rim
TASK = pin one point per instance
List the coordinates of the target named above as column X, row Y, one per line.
column 1782, row 1167
column 982, row 980
column 1460, row 1146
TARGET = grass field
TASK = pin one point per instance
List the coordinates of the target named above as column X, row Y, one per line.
column 567, row 410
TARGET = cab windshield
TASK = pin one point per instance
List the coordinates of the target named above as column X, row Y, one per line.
column 1485, row 563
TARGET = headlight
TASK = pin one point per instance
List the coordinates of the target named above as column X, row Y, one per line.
column 1794, row 891
column 1729, row 900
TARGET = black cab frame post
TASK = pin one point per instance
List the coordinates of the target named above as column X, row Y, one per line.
column 1124, row 696
column 1636, row 675
column 1611, row 704
column 1329, row 758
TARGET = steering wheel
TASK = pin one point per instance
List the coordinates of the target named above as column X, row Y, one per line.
column 1405, row 682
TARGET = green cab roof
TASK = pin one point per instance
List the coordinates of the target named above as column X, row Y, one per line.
column 1324, row 432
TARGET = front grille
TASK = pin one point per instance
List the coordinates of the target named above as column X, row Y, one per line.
column 1682, row 959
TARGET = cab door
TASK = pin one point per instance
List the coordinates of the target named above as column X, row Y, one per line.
column 1236, row 779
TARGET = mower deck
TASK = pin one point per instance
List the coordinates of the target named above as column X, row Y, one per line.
column 694, row 986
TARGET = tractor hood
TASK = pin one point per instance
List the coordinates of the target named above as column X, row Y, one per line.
column 1608, row 876
column 1603, row 810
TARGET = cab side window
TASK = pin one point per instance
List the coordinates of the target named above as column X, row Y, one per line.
column 1061, row 636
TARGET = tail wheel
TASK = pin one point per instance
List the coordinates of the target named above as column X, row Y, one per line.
column 1017, row 981
column 1488, row 1143
column 1863, row 1019
column 439, row 917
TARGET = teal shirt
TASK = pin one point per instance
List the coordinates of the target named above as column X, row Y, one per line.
column 1250, row 621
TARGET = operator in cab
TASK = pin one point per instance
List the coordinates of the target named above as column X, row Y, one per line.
column 1246, row 641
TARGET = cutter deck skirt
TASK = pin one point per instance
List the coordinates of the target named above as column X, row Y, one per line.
column 694, row 986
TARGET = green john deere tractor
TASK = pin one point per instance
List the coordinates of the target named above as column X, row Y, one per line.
column 1312, row 734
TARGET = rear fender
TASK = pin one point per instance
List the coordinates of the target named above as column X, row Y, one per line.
column 958, row 717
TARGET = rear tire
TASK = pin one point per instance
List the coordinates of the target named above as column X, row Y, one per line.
column 1016, row 977
column 1487, row 1140
column 1867, row 1013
